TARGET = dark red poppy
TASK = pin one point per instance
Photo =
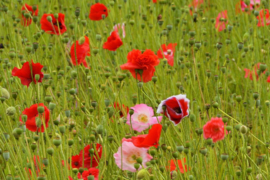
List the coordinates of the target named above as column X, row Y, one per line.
column 97, row 11
column 179, row 166
column 27, row 74
column 32, row 114
column 176, row 108
column 150, row 139
column 264, row 18
column 56, row 26
column 141, row 64
column 82, row 50
column 250, row 73
column 75, row 162
column 122, row 111
column 167, row 52
column 91, row 171
column 28, row 9
column 90, row 160
column 113, row 42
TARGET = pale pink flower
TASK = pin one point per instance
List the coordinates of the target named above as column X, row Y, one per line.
column 252, row 4
column 119, row 27
column 128, row 155
column 142, row 117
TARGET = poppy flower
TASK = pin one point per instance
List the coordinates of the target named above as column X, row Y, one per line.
column 120, row 28
column 242, row 6
column 90, row 172
column 126, row 156
column 249, row 73
column 27, row 74
column 32, row 114
column 141, row 64
column 75, row 162
column 221, row 21
column 179, row 166
column 82, row 50
column 97, row 11
column 37, row 166
column 268, row 79
column 90, row 160
column 113, row 42
column 167, row 52
column 154, row 1
column 122, row 111
column 142, row 118
column 214, row 129
column 55, row 26
column 148, row 140
column 26, row 21
column 263, row 18
column 176, row 108
column 195, row 5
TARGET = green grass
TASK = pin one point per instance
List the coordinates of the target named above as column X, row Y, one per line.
column 207, row 75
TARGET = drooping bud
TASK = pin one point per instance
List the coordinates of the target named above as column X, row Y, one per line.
column 81, row 40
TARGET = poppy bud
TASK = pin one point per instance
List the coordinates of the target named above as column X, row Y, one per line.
column 180, row 148
column 40, row 109
column 249, row 170
column 49, row 18
column 72, row 91
column 6, row 155
column 224, row 156
column 219, row 46
column 203, row 151
column 190, row 177
column 81, row 40
column 215, row 105
column 41, row 177
column 243, row 129
column 10, row 111
column 256, row 13
column 262, row 67
column 51, row 106
column 199, row 131
column 237, row 127
column 175, row 154
column 139, row 160
column 137, row 166
column 73, row 74
column 57, row 141
column 48, row 99
column 100, row 129
column 134, row 99
column 62, row 129
column 94, row 104
column 229, row 128
column 45, row 161
column 255, row 95
column 154, row 79
column 209, row 141
column 33, row 146
column 4, row 93
column 92, row 137
column 143, row 173
column 91, row 177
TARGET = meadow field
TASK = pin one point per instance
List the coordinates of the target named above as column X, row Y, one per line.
column 134, row 89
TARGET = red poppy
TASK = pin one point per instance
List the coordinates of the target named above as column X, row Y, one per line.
column 70, row 178
column 75, row 162
column 145, row 62
column 28, row 9
column 195, row 5
column 56, row 26
column 268, row 79
column 32, row 114
column 27, row 74
column 179, row 166
column 113, row 42
column 167, row 52
column 221, row 21
column 249, row 74
column 214, row 129
column 150, row 139
column 82, row 50
column 37, row 166
column 154, row 1
column 122, row 111
column 176, row 108
column 90, row 160
column 91, row 171
column 97, row 11
column 264, row 18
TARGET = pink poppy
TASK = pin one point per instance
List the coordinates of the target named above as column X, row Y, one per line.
column 142, row 117
column 128, row 153
column 221, row 21
column 263, row 18
column 167, row 52
column 120, row 28
column 195, row 5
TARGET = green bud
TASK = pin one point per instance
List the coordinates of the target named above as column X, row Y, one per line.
column 143, row 173
column 243, row 129
column 10, row 111
column 137, row 166
column 4, row 93
column 81, row 40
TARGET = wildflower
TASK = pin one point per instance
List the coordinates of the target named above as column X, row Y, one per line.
column 52, row 25
column 167, row 52
column 79, row 50
column 214, row 129
column 26, row 21
column 98, row 11
column 221, row 21
column 113, row 42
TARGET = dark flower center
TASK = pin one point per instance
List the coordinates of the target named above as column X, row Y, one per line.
column 76, row 163
column 177, row 110
column 104, row 10
column 58, row 23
